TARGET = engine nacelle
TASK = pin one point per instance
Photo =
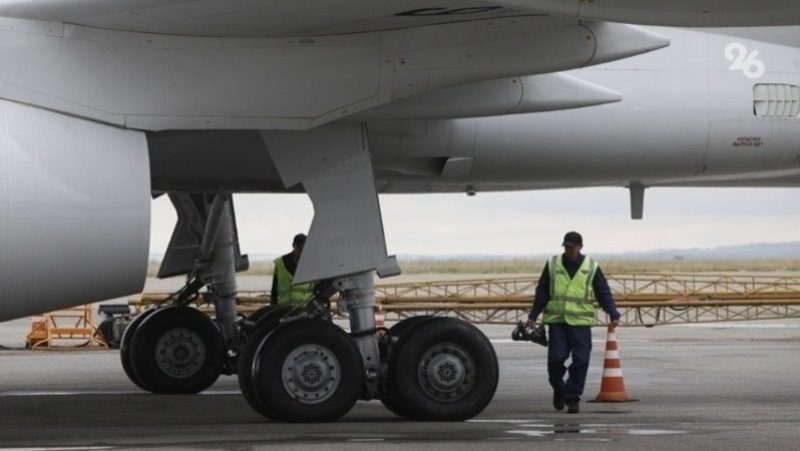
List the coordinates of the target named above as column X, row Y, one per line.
column 74, row 211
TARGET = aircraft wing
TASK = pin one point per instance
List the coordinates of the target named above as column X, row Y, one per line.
column 299, row 64
column 272, row 18
column 138, row 79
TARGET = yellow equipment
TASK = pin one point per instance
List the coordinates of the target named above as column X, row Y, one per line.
column 71, row 324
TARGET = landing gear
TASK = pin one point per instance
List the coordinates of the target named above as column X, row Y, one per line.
column 292, row 364
column 178, row 349
column 306, row 370
column 302, row 368
column 175, row 350
column 296, row 368
column 297, row 365
column 440, row 369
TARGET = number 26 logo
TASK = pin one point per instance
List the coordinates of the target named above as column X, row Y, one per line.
column 745, row 61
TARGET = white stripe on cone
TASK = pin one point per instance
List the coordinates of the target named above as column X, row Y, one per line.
column 612, row 372
column 612, row 355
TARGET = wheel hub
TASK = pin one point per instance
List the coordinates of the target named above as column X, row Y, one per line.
column 446, row 372
column 311, row 374
column 180, row 353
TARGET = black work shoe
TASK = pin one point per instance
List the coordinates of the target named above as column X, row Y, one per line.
column 572, row 406
column 558, row 401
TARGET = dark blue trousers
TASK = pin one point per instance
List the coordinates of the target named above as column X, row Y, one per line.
column 563, row 341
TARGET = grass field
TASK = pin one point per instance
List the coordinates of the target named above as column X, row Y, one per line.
column 533, row 266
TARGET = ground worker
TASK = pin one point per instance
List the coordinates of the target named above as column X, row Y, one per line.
column 284, row 291
column 567, row 288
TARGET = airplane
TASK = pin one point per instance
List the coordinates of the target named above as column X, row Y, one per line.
column 104, row 105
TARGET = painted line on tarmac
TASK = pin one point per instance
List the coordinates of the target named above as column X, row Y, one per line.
column 595, row 432
column 59, row 448
column 743, row 325
column 654, row 432
column 505, row 341
column 503, row 421
column 23, row 393
column 101, row 392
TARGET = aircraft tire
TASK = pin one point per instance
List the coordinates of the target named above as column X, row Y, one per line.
column 445, row 371
column 266, row 320
column 125, row 348
column 398, row 333
column 265, row 324
column 304, row 371
column 268, row 313
column 406, row 325
column 177, row 350
column 256, row 316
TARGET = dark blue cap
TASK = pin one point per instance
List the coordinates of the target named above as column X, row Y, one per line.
column 573, row 239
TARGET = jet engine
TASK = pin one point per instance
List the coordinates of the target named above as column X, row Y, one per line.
column 74, row 211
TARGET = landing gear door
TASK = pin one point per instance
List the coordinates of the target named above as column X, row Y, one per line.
column 184, row 246
column 334, row 165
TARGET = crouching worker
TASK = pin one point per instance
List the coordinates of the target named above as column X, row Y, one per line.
column 566, row 291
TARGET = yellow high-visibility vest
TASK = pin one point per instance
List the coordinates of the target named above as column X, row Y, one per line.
column 288, row 292
column 571, row 298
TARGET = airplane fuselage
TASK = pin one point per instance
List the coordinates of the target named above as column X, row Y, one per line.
column 687, row 118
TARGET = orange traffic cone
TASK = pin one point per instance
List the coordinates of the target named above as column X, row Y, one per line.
column 612, row 388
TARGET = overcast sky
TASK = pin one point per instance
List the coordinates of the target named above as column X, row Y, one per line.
column 527, row 223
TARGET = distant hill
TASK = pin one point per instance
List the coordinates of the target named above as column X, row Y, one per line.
column 757, row 251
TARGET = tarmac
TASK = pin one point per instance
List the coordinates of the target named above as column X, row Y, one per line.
column 719, row 386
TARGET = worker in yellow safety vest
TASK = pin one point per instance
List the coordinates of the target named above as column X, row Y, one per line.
column 567, row 288
column 284, row 290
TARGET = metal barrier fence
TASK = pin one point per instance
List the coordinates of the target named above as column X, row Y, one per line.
column 643, row 299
